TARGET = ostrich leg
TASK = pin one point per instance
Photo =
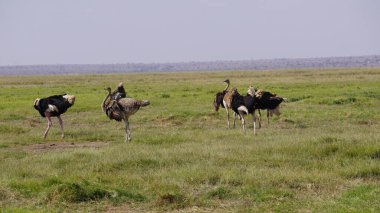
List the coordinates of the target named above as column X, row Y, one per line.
column 254, row 123
column 259, row 115
column 242, row 120
column 61, row 125
column 47, row 115
column 128, row 136
column 228, row 118
column 234, row 119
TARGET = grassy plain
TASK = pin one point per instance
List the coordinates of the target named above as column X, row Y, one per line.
column 321, row 155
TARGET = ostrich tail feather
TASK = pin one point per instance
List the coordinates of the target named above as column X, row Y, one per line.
column 144, row 103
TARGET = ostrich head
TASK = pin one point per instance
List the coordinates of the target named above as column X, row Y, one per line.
column 234, row 91
column 259, row 93
column 251, row 91
column 36, row 103
column 108, row 89
column 228, row 84
column 70, row 99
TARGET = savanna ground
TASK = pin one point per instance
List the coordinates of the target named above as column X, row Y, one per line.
column 321, row 155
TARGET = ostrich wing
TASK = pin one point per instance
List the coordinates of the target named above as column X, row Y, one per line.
column 130, row 102
column 130, row 105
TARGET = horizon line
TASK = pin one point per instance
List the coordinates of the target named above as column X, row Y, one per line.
column 184, row 62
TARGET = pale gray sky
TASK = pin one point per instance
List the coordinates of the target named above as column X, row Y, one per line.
column 123, row 31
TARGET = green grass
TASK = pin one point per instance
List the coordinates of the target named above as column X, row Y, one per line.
column 321, row 155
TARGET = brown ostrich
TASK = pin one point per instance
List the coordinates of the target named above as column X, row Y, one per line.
column 218, row 99
column 119, row 107
column 224, row 100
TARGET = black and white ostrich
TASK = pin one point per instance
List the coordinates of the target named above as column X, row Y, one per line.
column 244, row 105
column 270, row 102
column 54, row 106
column 118, row 107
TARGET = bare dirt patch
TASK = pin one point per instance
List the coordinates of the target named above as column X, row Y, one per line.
column 56, row 146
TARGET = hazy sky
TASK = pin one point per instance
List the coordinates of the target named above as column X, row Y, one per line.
column 122, row 31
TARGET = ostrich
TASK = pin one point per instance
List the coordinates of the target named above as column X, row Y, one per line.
column 54, row 106
column 224, row 99
column 218, row 100
column 121, row 108
column 269, row 101
column 244, row 105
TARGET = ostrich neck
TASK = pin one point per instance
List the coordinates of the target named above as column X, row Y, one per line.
column 227, row 86
column 104, row 101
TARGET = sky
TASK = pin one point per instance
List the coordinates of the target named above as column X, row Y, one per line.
column 142, row 31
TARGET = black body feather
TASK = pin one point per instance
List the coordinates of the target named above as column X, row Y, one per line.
column 269, row 102
column 218, row 101
column 118, row 93
column 247, row 101
column 56, row 100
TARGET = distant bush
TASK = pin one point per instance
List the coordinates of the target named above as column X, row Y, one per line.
column 74, row 193
column 371, row 94
column 375, row 155
column 121, row 195
column 337, row 101
column 295, row 99
column 164, row 95
column 344, row 101
column 84, row 192
column 173, row 199
column 220, row 193
column 366, row 173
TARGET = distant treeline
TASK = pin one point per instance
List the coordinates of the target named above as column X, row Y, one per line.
column 264, row 64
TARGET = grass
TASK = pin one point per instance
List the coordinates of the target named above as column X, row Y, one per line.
column 320, row 155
